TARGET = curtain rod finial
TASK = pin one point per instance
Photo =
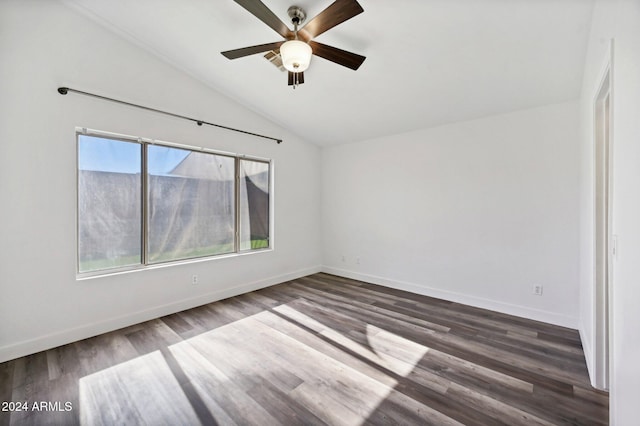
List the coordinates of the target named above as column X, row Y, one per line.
column 63, row 90
column 279, row 141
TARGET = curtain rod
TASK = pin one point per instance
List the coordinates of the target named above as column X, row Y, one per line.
column 65, row 90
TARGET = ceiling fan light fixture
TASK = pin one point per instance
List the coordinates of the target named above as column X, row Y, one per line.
column 296, row 55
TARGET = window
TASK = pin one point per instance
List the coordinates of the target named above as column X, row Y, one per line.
column 109, row 203
column 143, row 203
column 191, row 204
column 254, row 205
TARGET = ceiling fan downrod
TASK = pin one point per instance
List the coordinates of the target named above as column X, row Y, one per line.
column 298, row 16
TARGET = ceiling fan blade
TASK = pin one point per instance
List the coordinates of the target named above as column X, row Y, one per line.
column 251, row 50
column 339, row 56
column 292, row 78
column 263, row 13
column 337, row 12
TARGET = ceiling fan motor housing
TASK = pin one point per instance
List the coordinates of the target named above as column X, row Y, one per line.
column 297, row 15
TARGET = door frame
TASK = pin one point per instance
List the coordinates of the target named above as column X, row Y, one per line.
column 604, row 243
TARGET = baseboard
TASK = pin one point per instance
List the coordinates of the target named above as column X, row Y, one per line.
column 31, row 346
column 492, row 305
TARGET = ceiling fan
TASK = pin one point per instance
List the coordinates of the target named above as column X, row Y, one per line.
column 298, row 45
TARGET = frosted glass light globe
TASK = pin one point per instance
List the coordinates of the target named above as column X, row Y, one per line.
column 296, row 55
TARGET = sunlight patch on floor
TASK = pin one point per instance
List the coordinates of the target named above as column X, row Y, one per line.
column 399, row 353
column 284, row 352
column 140, row 391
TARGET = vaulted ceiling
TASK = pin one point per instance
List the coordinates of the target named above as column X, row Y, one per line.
column 429, row 62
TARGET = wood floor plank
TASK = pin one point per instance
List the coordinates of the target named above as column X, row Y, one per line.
column 156, row 336
column 316, row 350
column 498, row 410
column 224, row 394
column 349, row 356
column 473, row 375
column 323, row 377
column 286, row 410
column 526, row 324
column 424, row 333
column 351, row 304
column 399, row 409
column 242, row 359
column 490, row 351
column 143, row 390
column 457, row 317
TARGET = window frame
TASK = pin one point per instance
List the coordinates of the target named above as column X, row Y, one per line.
column 145, row 193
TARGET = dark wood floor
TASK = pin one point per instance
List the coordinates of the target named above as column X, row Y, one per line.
column 317, row 350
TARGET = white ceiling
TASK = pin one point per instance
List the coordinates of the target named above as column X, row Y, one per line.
column 429, row 62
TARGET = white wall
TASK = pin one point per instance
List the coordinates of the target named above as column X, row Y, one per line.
column 618, row 20
column 44, row 45
column 476, row 212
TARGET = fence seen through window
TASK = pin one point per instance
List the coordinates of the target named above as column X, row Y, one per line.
column 142, row 204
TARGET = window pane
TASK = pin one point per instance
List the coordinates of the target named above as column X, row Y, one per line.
column 191, row 204
column 109, row 203
column 254, row 205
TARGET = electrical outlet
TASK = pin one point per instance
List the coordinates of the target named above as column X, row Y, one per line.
column 194, row 279
column 537, row 289
column 344, row 258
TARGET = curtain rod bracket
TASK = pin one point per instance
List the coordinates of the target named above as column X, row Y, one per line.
column 65, row 90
